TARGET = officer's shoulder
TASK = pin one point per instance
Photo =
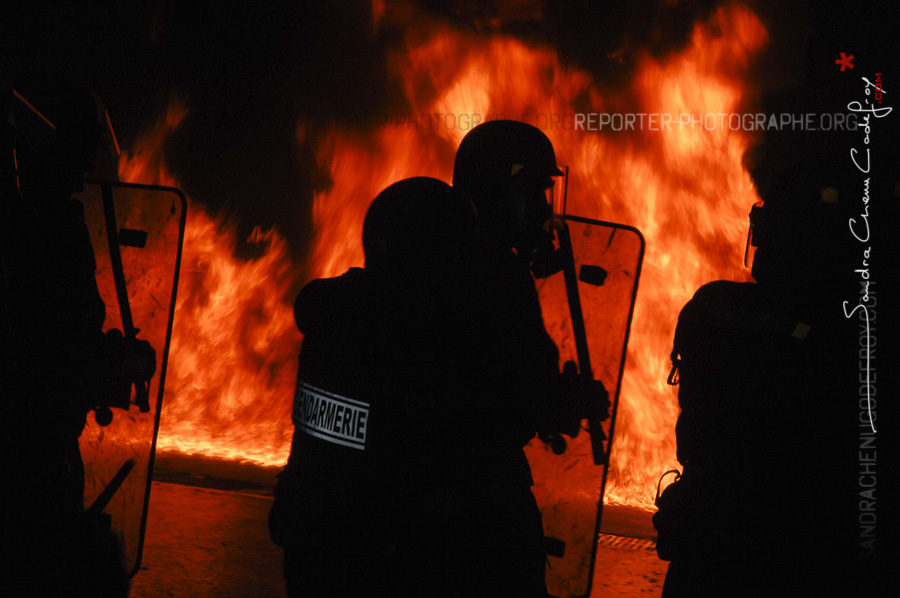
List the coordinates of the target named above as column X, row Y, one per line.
column 64, row 214
column 346, row 281
column 327, row 298
column 717, row 297
column 723, row 290
column 75, row 209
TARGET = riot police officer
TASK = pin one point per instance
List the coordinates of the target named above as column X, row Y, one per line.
column 507, row 168
column 364, row 505
column 56, row 363
column 765, row 433
column 440, row 340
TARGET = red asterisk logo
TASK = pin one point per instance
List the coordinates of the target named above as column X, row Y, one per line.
column 844, row 61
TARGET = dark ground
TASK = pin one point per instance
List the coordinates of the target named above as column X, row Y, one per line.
column 207, row 537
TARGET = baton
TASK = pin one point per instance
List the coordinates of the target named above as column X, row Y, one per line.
column 579, row 331
column 142, row 393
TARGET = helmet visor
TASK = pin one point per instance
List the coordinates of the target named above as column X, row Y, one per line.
column 557, row 193
column 750, row 249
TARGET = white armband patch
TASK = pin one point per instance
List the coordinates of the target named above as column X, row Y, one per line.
column 330, row 417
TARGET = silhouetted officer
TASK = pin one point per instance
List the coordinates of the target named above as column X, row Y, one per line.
column 507, row 169
column 55, row 362
column 441, row 340
column 765, row 505
column 366, row 504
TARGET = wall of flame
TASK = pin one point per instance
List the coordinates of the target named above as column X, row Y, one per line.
column 234, row 345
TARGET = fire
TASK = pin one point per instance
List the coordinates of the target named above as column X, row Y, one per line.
column 684, row 187
column 688, row 193
column 231, row 370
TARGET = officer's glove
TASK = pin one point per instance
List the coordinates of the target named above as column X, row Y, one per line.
column 140, row 360
column 132, row 359
column 124, row 362
column 583, row 398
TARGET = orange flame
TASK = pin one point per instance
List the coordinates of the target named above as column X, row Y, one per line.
column 231, row 370
column 684, row 188
column 231, row 378
column 689, row 194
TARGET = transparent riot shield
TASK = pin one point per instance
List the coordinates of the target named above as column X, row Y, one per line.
column 587, row 311
column 137, row 233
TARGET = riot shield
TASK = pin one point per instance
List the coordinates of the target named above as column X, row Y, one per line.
column 137, row 233
column 587, row 311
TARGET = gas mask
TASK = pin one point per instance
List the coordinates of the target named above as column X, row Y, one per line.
column 537, row 208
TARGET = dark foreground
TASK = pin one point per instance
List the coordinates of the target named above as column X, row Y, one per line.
column 210, row 542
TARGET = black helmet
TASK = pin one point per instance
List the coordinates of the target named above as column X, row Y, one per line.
column 416, row 224
column 800, row 229
column 494, row 151
column 505, row 167
column 81, row 137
